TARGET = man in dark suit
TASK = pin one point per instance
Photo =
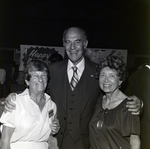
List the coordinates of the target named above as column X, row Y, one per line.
column 75, row 107
column 75, row 101
column 139, row 85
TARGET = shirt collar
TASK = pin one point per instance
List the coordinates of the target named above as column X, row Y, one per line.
column 26, row 93
column 148, row 66
column 80, row 65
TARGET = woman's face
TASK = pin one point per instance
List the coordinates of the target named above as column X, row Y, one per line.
column 38, row 81
column 109, row 80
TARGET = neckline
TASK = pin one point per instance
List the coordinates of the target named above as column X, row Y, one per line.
column 106, row 109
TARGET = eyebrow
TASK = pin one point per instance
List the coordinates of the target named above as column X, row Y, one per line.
column 78, row 40
column 75, row 40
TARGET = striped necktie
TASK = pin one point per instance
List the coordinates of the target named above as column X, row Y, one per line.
column 74, row 79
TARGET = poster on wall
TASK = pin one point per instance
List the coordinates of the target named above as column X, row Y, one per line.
column 98, row 54
column 48, row 54
column 44, row 53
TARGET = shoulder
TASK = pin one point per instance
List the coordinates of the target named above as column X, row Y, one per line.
column 2, row 71
column 58, row 64
column 22, row 97
column 24, row 93
column 49, row 100
column 143, row 70
column 56, row 67
column 123, row 110
column 90, row 66
column 89, row 62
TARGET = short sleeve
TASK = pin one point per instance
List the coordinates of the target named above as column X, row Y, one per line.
column 130, row 124
column 8, row 118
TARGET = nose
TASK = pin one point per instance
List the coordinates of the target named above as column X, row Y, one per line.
column 106, row 79
column 72, row 46
column 40, row 79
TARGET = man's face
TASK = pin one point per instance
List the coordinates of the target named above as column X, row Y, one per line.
column 75, row 43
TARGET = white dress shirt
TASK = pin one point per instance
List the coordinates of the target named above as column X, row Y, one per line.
column 148, row 66
column 80, row 68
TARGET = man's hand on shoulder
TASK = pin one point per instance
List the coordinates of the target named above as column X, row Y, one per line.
column 134, row 105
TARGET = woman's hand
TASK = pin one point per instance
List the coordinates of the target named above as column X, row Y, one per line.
column 55, row 126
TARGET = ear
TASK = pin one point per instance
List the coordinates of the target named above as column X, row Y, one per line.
column 85, row 44
column 120, row 82
column 64, row 44
column 27, row 82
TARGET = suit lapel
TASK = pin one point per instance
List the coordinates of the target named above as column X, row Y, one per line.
column 88, row 83
column 62, row 72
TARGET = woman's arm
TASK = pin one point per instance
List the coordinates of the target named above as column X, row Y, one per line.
column 6, row 136
column 135, row 142
column 55, row 126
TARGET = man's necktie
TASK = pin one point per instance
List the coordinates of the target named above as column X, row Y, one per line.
column 74, row 79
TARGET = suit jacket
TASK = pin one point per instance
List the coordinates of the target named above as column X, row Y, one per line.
column 139, row 85
column 90, row 93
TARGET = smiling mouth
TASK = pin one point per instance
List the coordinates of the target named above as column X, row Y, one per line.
column 74, row 53
column 106, row 85
column 40, row 84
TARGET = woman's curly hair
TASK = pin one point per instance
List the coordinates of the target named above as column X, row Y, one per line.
column 113, row 62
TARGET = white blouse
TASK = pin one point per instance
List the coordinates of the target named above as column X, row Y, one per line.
column 32, row 126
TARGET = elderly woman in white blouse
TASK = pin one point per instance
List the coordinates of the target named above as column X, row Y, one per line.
column 34, row 120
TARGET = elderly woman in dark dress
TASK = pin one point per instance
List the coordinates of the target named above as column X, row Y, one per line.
column 112, row 125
